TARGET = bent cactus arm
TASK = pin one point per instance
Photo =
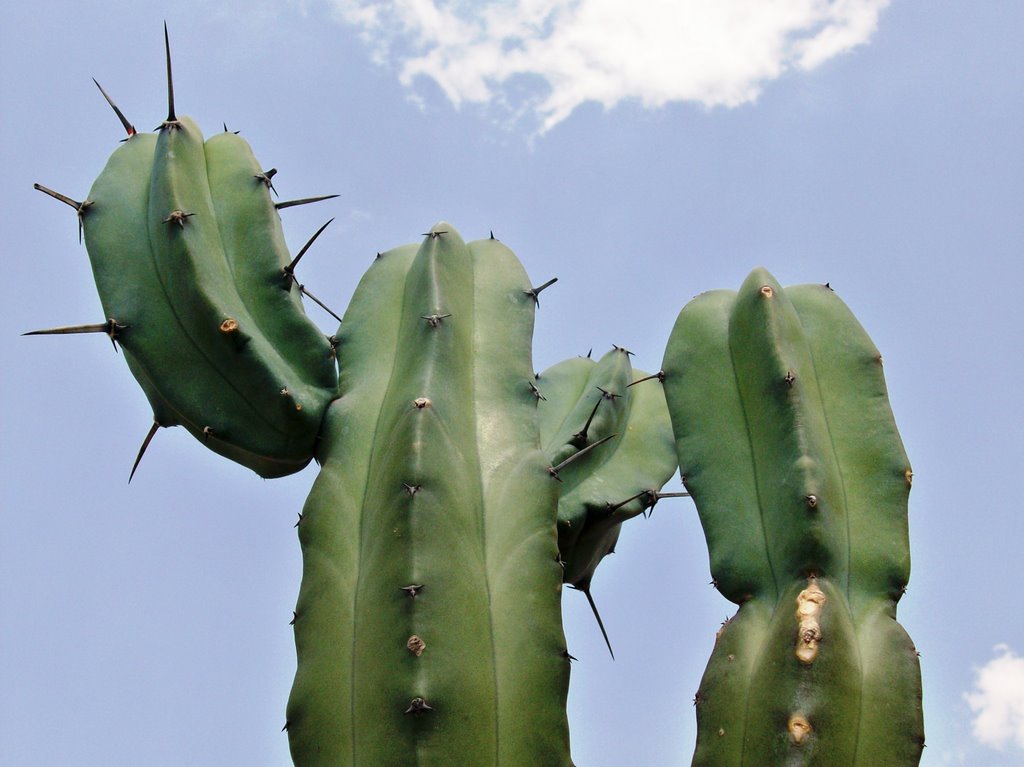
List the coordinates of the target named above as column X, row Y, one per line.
column 190, row 264
column 787, row 442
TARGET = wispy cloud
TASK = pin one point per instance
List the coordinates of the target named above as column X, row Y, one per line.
column 998, row 700
column 711, row 52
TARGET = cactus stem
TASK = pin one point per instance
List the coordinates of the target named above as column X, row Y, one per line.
column 303, row 201
column 80, row 207
column 129, row 128
column 660, row 375
column 555, row 469
column 433, row 320
column 418, row 706
column 142, row 450
column 289, row 271
column 413, row 589
column 534, row 293
column 597, row 615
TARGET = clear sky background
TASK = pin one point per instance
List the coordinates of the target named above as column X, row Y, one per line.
column 642, row 158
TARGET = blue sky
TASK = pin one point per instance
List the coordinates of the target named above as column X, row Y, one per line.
column 642, row 159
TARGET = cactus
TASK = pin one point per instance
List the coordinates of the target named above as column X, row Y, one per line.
column 787, row 442
column 458, row 490
column 428, row 621
column 190, row 263
column 614, row 444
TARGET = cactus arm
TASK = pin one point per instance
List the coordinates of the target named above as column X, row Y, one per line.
column 587, row 405
column 257, row 385
column 786, row 440
column 428, row 539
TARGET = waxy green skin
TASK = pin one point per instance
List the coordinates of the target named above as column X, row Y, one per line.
column 787, row 443
column 216, row 338
column 432, row 517
column 583, row 401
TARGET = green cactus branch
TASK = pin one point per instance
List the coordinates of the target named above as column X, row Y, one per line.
column 786, row 440
column 428, row 624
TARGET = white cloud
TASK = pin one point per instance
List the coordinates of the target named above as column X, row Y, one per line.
column 712, row 52
column 998, row 700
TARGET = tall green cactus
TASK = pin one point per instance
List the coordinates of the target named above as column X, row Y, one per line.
column 786, row 441
column 428, row 625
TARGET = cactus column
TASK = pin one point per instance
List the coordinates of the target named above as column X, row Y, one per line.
column 786, row 441
column 428, row 623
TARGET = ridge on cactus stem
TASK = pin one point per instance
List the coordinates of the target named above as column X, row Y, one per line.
column 787, row 442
